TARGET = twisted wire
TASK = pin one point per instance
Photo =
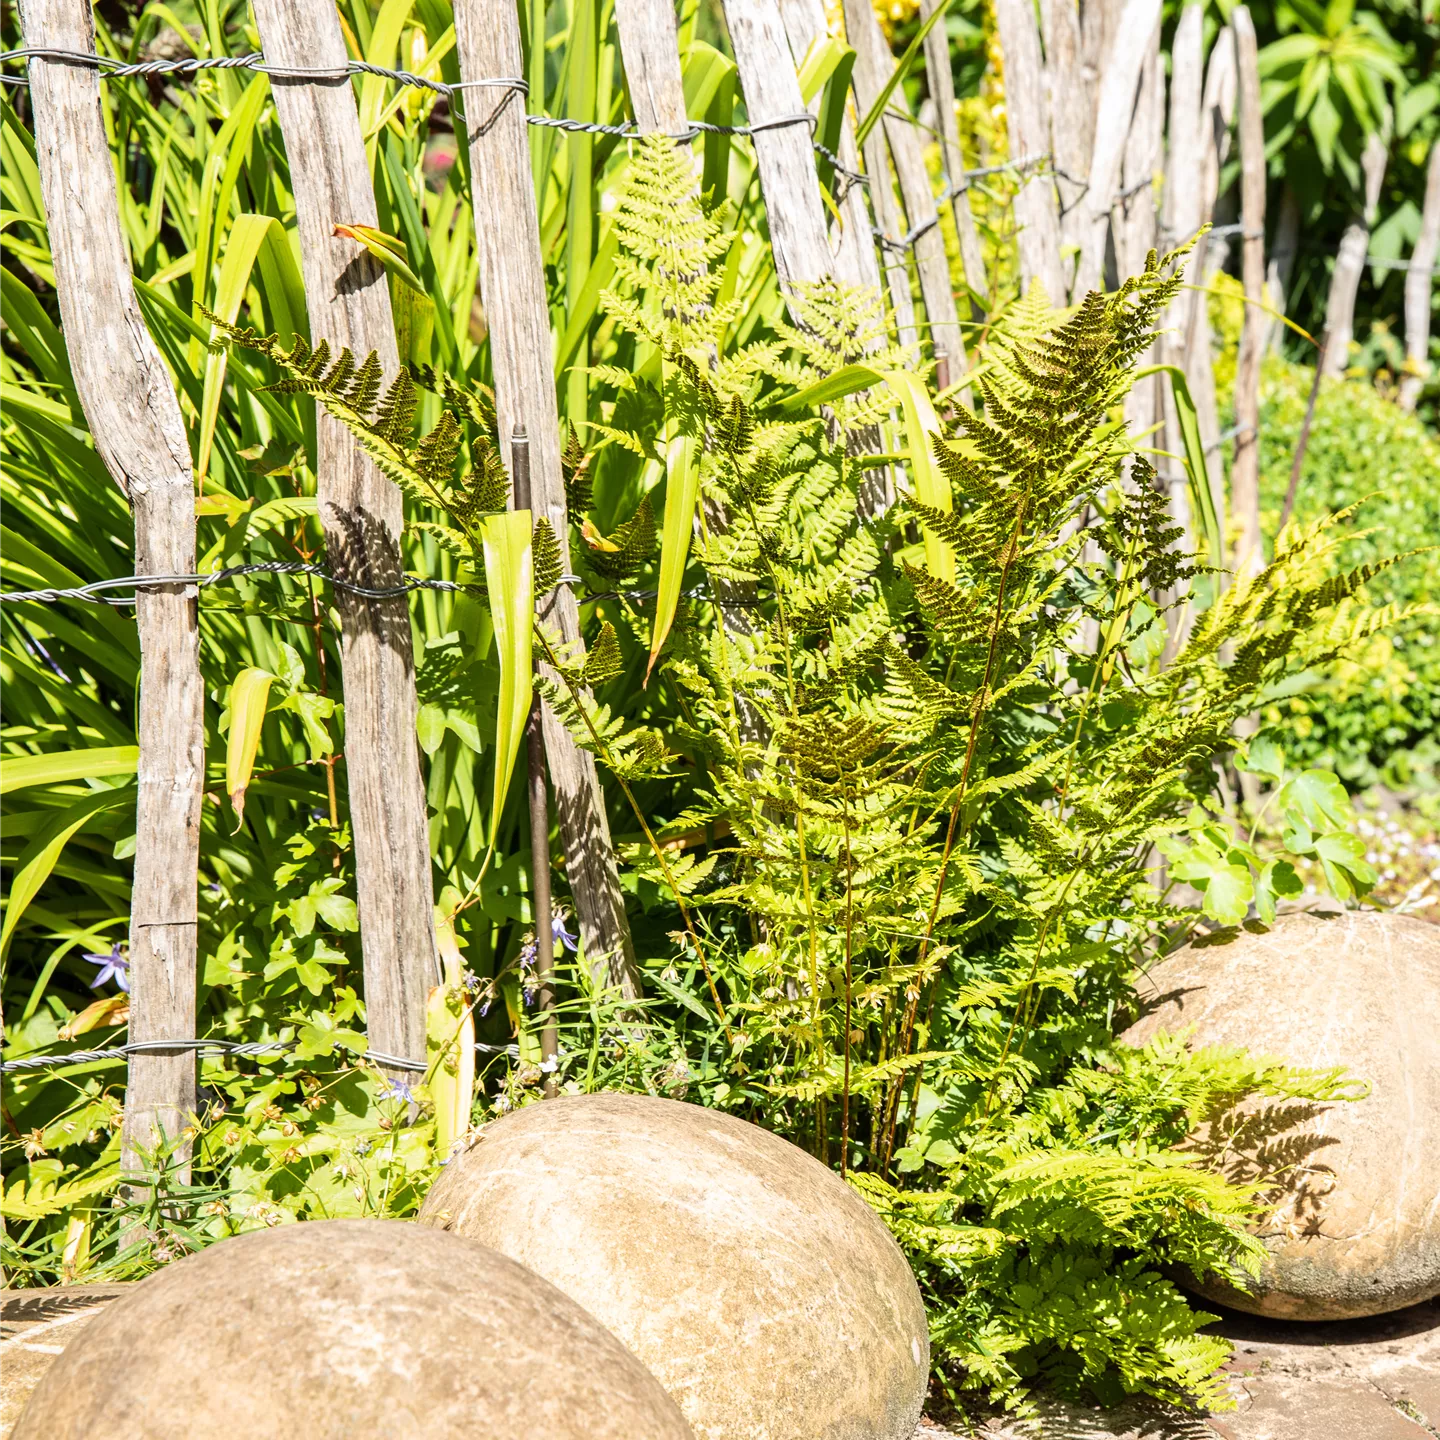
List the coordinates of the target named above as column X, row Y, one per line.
column 116, row 69
column 240, row 1049
column 97, row 591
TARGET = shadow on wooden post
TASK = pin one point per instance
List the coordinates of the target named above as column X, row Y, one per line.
column 512, row 289
column 348, row 302
column 134, row 416
column 540, row 903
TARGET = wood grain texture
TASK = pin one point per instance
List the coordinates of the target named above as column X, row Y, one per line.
column 1072, row 114
column 1119, row 84
column 512, row 289
column 1419, row 283
column 348, row 303
column 785, row 156
column 134, row 416
column 1036, row 209
column 650, row 47
column 1245, row 467
column 1217, row 111
column 851, row 241
column 942, row 91
column 1137, row 231
column 1180, row 219
column 1350, row 262
column 874, row 65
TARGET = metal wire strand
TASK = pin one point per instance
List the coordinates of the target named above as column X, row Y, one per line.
column 239, row 1049
column 116, row 69
column 97, row 591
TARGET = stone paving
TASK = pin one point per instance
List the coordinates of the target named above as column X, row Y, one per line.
column 1375, row 1379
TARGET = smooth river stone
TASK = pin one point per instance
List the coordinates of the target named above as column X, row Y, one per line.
column 759, row 1288
column 1353, row 1227
column 348, row 1330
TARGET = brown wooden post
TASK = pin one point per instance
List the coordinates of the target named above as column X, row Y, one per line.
column 348, row 302
column 851, row 242
column 512, row 288
column 650, row 49
column 1136, row 223
column 874, row 65
column 134, row 417
column 1035, row 205
column 1245, row 468
column 1118, row 87
column 1217, row 112
column 1350, row 262
column 942, row 92
column 1419, row 280
column 1180, row 219
column 1072, row 115
column 539, row 808
column 785, row 156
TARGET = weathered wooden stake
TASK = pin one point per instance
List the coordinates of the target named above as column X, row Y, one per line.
column 942, row 92
column 1350, row 261
column 1036, row 209
column 512, row 288
column 348, row 302
column 1418, row 283
column 1072, row 115
column 1217, row 111
column 851, row 242
column 784, row 155
column 874, row 65
column 540, row 903
column 1136, row 227
column 1245, row 468
column 1118, row 86
column 134, row 417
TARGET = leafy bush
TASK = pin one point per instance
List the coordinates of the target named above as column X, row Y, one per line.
column 1376, row 715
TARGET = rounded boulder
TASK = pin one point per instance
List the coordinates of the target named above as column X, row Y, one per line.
column 1352, row 1219
column 348, row 1330
column 757, row 1286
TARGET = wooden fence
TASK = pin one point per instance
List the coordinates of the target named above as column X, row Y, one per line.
column 1086, row 112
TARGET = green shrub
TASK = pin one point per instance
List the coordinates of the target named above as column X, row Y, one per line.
column 1375, row 717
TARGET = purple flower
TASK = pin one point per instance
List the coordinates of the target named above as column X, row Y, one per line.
column 527, row 954
column 559, row 932
column 113, row 966
column 399, row 1090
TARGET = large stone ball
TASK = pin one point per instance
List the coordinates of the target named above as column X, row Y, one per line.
column 759, row 1288
column 348, row 1330
column 1353, row 1221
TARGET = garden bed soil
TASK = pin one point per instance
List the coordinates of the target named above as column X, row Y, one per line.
column 1375, row 1379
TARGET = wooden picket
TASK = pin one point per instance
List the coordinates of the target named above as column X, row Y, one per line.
column 512, row 289
column 134, row 416
column 348, row 300
column 942, row 91
column 1245, row 469
column 874, row 67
